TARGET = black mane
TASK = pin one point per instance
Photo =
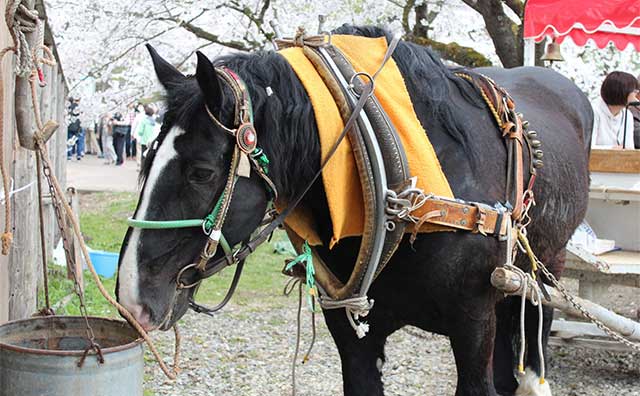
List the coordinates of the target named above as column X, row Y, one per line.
column 285, row 121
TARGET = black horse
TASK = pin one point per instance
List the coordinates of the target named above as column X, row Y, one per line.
column 441, row 283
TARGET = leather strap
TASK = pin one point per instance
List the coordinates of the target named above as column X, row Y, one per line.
column 502, row 107
column 473, row 217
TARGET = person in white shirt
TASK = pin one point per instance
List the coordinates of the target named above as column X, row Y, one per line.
column 612, row 121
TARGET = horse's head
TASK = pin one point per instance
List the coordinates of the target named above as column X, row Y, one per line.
column 186, row 171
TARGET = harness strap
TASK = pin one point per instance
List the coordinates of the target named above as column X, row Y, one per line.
column 510, row 124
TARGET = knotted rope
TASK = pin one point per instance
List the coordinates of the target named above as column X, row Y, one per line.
column 529, row 286
column 301, row 40
column 21, row 20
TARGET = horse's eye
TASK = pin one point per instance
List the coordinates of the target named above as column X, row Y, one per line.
column 200, row 175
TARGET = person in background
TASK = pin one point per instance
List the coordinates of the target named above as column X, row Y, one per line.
column 635, row 110
column 92, row 142
column 97, row 127
column 612, row 122
column 130, row 144
column 145, row 131
column 134, row 127
column 120, row 129
column 106, row 134
column 74, row 130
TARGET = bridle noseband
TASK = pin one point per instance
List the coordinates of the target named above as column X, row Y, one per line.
column 246, row 155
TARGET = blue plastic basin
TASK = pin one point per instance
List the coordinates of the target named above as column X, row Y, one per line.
column 105, row 263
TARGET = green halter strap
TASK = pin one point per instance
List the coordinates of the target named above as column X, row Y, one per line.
column 206, row 224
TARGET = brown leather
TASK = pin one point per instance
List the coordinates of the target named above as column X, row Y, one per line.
column 395, row 160
column 334, row 288
column 471, row 217
column 503, row 108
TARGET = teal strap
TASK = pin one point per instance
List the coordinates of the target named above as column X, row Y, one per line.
column 163, row 225
column 170, row 224
column 307, row 258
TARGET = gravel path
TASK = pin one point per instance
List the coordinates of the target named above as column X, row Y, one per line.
column 247, row 350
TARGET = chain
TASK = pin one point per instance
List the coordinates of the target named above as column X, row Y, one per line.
column 585, row 313
column 71, row 264
column 45, row 275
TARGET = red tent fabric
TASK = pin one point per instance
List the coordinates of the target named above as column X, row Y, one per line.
column 616, row 21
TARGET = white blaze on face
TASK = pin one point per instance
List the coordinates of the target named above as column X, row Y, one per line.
column 128, row 278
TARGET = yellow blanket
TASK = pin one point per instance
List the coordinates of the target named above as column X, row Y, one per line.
column 340, row 177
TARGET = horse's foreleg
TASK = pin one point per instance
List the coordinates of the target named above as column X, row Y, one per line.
column 472, row 343
column 362, row 359
column 504, row 355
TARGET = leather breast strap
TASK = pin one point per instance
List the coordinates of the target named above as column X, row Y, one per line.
column 510, row 124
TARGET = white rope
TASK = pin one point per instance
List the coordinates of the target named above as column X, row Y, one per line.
column 13, row 192
column 528, row 283
column 355, row 308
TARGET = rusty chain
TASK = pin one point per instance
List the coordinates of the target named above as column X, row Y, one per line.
column 71, row 264
column 567, row 296
column 46, row 311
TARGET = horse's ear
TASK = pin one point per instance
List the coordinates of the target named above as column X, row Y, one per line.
column 168, row 75
column 208, row 81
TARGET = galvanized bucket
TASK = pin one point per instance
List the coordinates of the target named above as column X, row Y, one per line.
column 40, row 356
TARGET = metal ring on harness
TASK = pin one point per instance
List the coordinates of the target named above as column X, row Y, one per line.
column 352, row 87
column 179, row 283
column 328, row 34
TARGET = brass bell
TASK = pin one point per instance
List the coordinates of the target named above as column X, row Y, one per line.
column 532, row 134
column 536, row 144
column 552, row 53
column 537, row 163
column 525, row 124
column 538, row 154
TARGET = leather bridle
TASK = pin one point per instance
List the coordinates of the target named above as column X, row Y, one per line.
column 246, row 155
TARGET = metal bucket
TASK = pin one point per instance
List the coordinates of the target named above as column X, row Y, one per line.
column 40, row 356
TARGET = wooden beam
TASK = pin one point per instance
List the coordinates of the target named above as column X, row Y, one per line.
column 615, row 161
column 601, row 345
column 510, row 283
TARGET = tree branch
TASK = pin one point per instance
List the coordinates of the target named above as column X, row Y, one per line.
column 464, row 56
column 516, row 6
column 406, row 10
column 502, row 30
column 205, row 35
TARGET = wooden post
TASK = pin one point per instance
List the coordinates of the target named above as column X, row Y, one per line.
column 510, row 283
column 23, row 262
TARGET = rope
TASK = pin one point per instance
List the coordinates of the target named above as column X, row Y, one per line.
column 21, row 20
column 355, row 308
column 570, row 299
column 528, row 283
column 43, row 244
column 171, row 374
column 288, row 288
column 301, row 39
column 7, row 236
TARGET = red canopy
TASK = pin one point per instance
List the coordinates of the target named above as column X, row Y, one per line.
column 616, row 21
